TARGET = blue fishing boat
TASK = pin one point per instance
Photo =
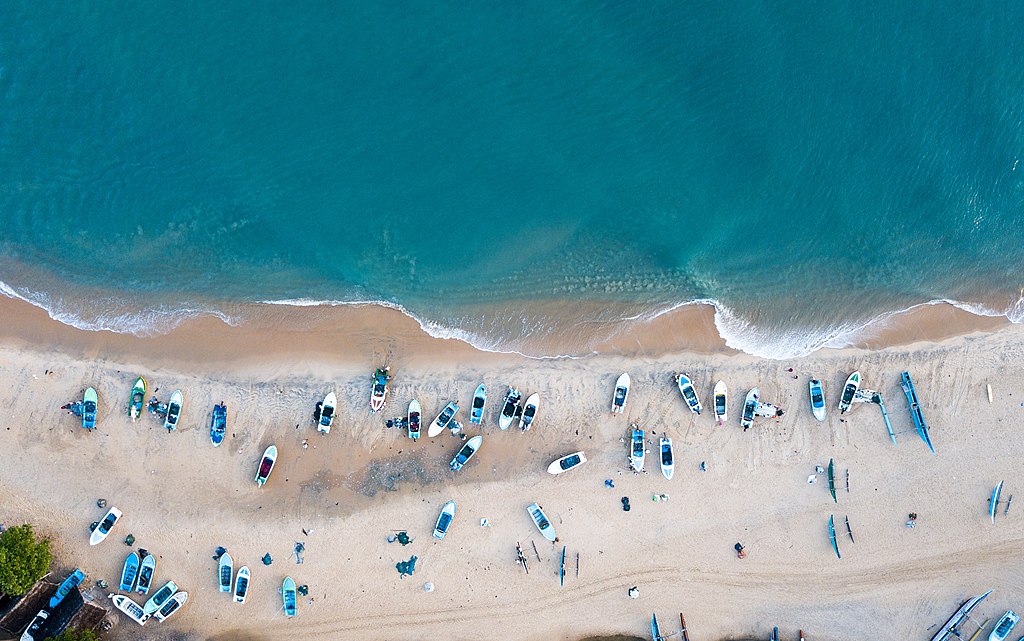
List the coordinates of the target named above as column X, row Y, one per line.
column 66, row 586
column 915, row 409
column 89, row 404
column 218, row 423
column 288, row 596
column 476, row 412
column 129, row 572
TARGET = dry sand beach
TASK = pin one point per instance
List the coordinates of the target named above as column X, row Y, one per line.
column 348, row 490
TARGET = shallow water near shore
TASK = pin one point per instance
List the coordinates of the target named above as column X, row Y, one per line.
column 513, row 178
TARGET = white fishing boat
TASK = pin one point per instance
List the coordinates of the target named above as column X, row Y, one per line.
column 466, row 452
column 567, row 462
column 162, row 595
column 636, row 449
column 174, row 410
column 414, row 419
column 541, row 521
column 620, row 394
column 529, row 412
column 241, row 584
column 721, row 402
column 106, row 525
column 131, row 609
column 750, row 408
column 688, row 392
column 225, row 568
column 327, row 410
column 476, row 411
column 817, row 395
column 849, row 390
column 668, row 462
column 443, row 419
column 509, row 408
column 171, row 606
column 444, row 520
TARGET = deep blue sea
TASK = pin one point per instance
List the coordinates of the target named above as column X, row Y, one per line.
column 803, row 166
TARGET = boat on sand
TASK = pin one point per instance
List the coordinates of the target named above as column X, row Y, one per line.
column 444, row 520
column 817, row 395
column 414, row 419
column 137, row 399
column 750, row 408
column 241, row 584
column 446, row 416
column 667, row 458
column 509, row 408
column 106, row 525
column 849, row 390
column 476, row 412
column 174, row 411
column 541, row 521
column 379, row 391
column 327, row 410
column 132, row 609
column 636, row 449
column 567, row 462
column 529, row 412
column 266, row 465
column 288, row 597
column 721, row 402
column 620, row 394
column 688, row 392
column 466, row 452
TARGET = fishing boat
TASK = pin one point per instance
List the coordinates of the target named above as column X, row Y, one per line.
column 656, row 629
column 90, row 402
column 567, row 462
column 129, row 572
column 173, row 605
column 66, row 586
column 509, row 408
column 414, row 419
column 749, row 408
column 688, row 393
column 157, row 600
column 915, row 409
column 817, row 394
column 849, row 390
column 443, row 419
column 379, row 392
column 541, row 521
column 218, row 424
column 288, row 596
column 775, row 634
column 131, row 609
column 636, row 450
column 529, row 412
column 444, row 520
column 225, row 569
column 993, row 503
column 667, row 458
column 146, row 570
column 620, row 394
column 266, row 465
column 476, row 412
column 721, row 402
column 1004, row 626
column 951, row 628
column 466, row 452
column 173, row 411
column 241, row 584
column 35, row 625
column 106, row 525
column 327, row 410
column 137, row 399
column 832, row 536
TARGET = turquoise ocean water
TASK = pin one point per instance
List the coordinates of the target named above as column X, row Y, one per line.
column 805, row 167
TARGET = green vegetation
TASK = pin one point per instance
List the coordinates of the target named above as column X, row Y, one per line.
column 23, row 559
column 74, row 635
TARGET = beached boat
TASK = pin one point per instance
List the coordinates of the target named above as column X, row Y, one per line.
column 750, row 408
column 35, row 625
column 288, row 597
column 656, row 629
column 173, row 605
column 327, row 413
column 218, row 424
column 174, row 410
column 849, row 390
column 466, row 452
column 636, row 450
column 90, row 403
column 832, row 535
column 446, row 416
column 130, row 608
column 529, row 412
column 162, row 595
column 688, row 392
column 993, row 503
column 137, row 399
column 476, row 412
column 668, row 462
column 146, row 570
column 915, row 409
column 620, row 394
column 107, row 523
column 225, row 568
column 775, row 634
column 541, row 521
column 129, row 572
column 817, row 395
column 266, row 465
column 413, row 419
column 379, row 392
column 721, row 402
column 509, row 408
column 66, row 586
column 1004, row 626
column 444, row 520
column 241, row 584
column 951, row 628
column 567, row 462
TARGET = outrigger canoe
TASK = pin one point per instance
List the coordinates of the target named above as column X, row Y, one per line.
column 817, row 395
column 721, row 402
column 667, row 458
column 476, row 412
column 621, row 394
column 379, row 392
column 541, row 521
column 466, row 452
column 915, row 409
column 750, row 407
column 137, row 399
column 688, row 392
column 327, row 410
column 529, row 412
column 849, row 390
column 443, row 419
column 90, row 402
column 218, row 424
column 414, row 419
column 636, row 450
column 266, row 465
column 567, row 462
column 509, row 408
column 174, row 410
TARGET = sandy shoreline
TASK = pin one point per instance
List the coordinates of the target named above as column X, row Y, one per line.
column 182, row 498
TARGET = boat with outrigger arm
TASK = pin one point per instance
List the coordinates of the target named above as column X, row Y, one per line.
column 951, row 628
column 915, row 409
